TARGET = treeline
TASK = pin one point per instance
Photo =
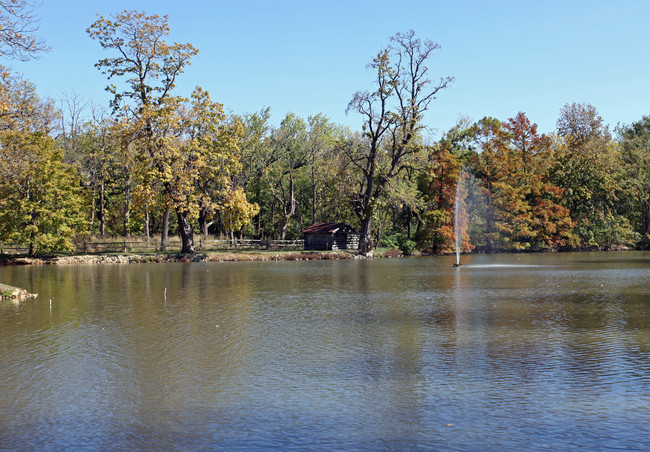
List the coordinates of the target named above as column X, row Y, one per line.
column 72, row 171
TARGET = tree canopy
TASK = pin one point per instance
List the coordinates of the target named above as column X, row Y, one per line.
column 79, row 171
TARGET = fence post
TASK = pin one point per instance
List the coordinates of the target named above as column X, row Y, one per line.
column 125, row 246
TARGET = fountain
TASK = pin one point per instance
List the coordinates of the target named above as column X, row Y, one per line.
column 458, row 221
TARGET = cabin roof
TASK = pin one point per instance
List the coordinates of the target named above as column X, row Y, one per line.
column 328, row 228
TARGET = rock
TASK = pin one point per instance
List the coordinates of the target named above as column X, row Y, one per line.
column 14, row 292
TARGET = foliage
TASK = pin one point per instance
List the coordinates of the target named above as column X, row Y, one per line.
column 438, row 184
column 187, row 148
column 401, row 242
column 40, row 202
column 149, row 64
column 635, row 153
column 588, row 167
column 237, row 212
column 122, row 171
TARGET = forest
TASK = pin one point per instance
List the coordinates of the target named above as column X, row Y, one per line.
column 155, row 163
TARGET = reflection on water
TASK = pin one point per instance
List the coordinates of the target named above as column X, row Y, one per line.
column 507, row 352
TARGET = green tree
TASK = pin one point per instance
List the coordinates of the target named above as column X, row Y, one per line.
column 290, row 155
column 588, row 166
column 40, row 196
column 635, row 143
column 256, row 154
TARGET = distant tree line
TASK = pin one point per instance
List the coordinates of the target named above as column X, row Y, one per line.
column 70, row 171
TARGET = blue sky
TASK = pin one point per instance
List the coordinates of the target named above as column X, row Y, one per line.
column 309, row 57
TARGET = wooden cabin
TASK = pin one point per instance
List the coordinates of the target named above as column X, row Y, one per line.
column 331, row 236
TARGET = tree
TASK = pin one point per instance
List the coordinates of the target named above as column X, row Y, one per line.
column 550, row 222
column 289, row 143
column 392, row 116
column 502, row 197
column 143, row 56
column 588, row 166
column 438, row 184
column 236, row 211
column 20, row 106
column 151, row 67
column 635, row 143
column 516, row 205
column 40, row 196
column 18, row 25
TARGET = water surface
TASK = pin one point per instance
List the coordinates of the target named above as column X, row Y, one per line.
column 534, row 352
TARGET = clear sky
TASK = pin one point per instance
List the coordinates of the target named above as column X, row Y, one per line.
column 310, row 56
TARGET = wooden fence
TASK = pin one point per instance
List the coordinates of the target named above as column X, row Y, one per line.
column 139, row 246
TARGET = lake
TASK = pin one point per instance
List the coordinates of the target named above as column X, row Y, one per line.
column 508, row 352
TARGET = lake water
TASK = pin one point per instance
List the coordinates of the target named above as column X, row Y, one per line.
column 509, row 352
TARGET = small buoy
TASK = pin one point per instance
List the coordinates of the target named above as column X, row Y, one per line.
column 216, row 326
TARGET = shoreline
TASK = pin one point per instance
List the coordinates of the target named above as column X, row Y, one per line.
column 180, row 258
column 241, row 256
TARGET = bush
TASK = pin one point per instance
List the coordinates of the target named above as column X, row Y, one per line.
column 399, row 241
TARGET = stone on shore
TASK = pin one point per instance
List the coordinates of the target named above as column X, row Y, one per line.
column 14, row 292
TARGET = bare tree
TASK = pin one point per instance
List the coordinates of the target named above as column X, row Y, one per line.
column 392, row 116
column 18, row 25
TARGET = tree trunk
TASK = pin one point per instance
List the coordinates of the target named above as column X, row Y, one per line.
column 127, row 209
column 93, row 205
column 146, row 221
column 313, row 195
column 165, row 230
column 365, row 239
column 187, row 234
column 289, row 208
column 646, row 221
column 204, row 224
column 102, row 209
column 283, row 229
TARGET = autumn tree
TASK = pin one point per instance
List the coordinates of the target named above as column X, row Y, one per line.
column 550, row 222
column 150, row 67
column 519, row 206
column 392, row 122
column 438, row 182
column 40, row 202
column 500, row 201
